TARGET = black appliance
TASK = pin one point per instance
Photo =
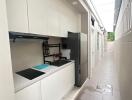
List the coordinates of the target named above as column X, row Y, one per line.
column 60, row 62
column 77, row 43
column 30, row 73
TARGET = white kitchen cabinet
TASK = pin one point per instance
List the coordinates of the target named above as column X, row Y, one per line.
column 54, row 18
column 58, row 84
column 68, row 22
column 33, row 92
column 53, row 23
column 64, row 26
column 17, row 15
column 45, row 17
column 72, row 22
column 50, row 17
column 65, row 16
column 38, row 16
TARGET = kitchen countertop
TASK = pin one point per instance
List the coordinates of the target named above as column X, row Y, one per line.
column 21, row 82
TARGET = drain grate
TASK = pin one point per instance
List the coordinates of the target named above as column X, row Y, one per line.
column 106, row 89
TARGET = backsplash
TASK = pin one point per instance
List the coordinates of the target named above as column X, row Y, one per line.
column 28, row 53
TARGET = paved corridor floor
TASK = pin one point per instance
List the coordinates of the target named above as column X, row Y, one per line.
column 104, row 82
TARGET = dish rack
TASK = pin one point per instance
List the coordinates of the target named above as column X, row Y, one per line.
column 46, row 51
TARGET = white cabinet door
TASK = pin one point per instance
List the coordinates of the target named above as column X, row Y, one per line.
column 57, row 85
column 32, row 92
column 38, row 18
column 43, row 17
column 53, row 23
column 72, row 22
column 64, row 26
column 17, row 15
column 53, row 18
column 68, row 22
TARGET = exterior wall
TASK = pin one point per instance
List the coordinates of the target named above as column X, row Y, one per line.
column 124, row 22
column 84, row 23
column 123, row 50
column 96, row 45
column 123, row 61
column 6, row 77
column 98, row 41
column 116, row 11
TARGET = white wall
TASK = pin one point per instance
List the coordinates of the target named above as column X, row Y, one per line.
column 97, row 41
column 6, row 79
column 28, row 53
column 124, row 22
column 123, row 61
column 123, row 50
column 84, row 23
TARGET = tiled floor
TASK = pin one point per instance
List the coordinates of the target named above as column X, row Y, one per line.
column 104, row 75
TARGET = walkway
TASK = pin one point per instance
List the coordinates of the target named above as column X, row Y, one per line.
column 104, row 83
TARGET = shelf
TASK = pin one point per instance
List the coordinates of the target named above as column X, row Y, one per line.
column 46, row 52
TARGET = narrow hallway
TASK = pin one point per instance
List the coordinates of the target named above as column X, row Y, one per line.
column 104, row 82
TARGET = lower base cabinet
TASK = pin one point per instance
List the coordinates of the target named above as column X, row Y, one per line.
column 53, row 87
column 29, row 93
column 59, row 84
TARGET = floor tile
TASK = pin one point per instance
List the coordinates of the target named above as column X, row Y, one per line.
column 104, row 83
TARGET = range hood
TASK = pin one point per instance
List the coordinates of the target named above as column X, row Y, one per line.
column 15, row 35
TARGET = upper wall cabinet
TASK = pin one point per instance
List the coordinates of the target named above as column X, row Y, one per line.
column 53, row 18
column 17, row 15
column 38, row 16
column 64, row 26
column 68, row 18
column 45, row 17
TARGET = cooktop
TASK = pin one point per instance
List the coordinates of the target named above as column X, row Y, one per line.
column 30, row 73
column 60, row 62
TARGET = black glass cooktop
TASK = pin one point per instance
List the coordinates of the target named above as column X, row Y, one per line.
column 60, row 62
column 30, row 73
